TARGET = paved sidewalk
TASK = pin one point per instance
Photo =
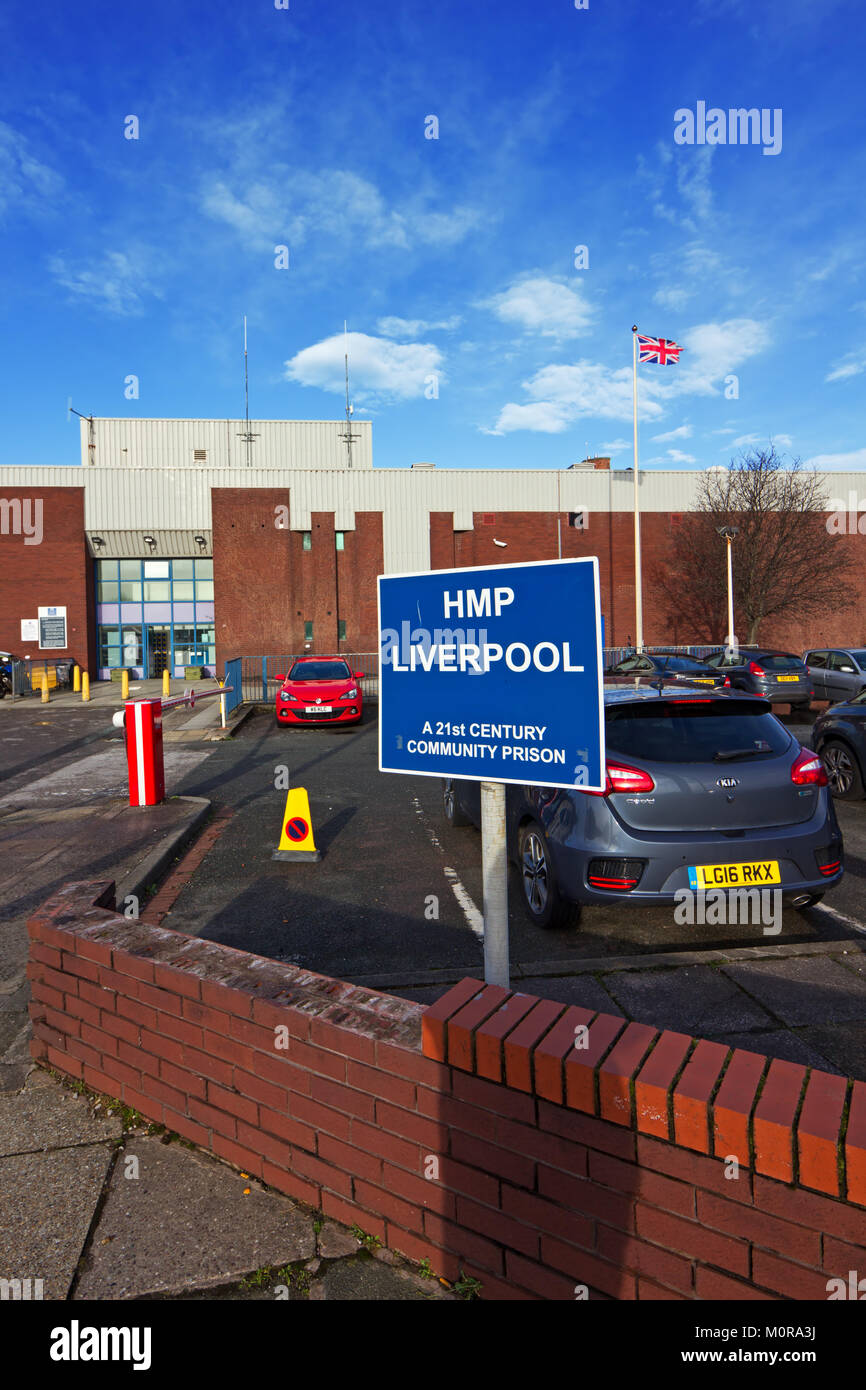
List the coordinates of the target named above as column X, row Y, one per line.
column 100, row 1205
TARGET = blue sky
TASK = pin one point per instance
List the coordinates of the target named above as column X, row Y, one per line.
column 453, row 259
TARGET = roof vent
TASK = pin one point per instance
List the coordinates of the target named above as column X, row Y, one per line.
column 422, row 465
column 199, row 455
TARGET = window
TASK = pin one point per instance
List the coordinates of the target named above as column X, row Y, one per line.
column 204, row 569
column 181, row 569
column 308, row 632
column 206, row 644
column 341, row 629
column 204, row 589
column 107, row 593
column 157, row 591
column 183, row 590
column 106, row 569
column 156, row 569
column 339, row 537
column 130, row 591
column 130, row 569
column 817, row 659
column 307, row 539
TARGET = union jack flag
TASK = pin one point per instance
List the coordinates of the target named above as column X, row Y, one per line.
column 660, row 350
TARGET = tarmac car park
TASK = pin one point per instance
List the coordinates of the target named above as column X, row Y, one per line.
column 704, row 791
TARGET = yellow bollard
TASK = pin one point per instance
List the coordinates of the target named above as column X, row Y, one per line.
column 124, row 685
column 166, row 686
column 85, row 686
column 45, row 696
column 76, row 678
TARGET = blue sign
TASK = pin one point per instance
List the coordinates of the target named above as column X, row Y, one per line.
column 493, row 674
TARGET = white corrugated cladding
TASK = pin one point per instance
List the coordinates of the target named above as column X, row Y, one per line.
column 174, row 504
column 291, row 444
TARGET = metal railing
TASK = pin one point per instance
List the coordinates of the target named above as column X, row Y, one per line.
column 258, row 677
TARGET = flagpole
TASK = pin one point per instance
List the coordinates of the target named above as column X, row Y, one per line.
column 638, row 594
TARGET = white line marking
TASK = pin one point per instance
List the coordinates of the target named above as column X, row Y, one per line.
column 474, row 918
column 841, row 917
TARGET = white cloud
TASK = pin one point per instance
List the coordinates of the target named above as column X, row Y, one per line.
column 570, row 392
column 562, row 394
column 290, row 206
column 682, row 432
column 839, row 463
column 848, row 368
column 616, row 446
column 24, row 181
column 380, row 370
column 745, row 441
column 116, row 283
column 394, row 327
column 552, row 308
column 674, row 298
column 677, row 456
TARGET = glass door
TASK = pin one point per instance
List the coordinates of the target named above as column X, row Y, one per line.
column 158, row 650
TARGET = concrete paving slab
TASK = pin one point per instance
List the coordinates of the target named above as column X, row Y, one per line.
column 47, row 1115
column 696, row 999
column 335, row 1241
column 816, row 991
column 185, row 1222
column 48, row 1205
column 363, row 1279
column 844, row 1045
column 583, row 990
column 778, row 1042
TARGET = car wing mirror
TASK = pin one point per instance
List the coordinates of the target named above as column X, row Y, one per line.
column 357, row 675
column 281, row 677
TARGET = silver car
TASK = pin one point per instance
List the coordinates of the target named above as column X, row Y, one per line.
column 703, row 789
column 837, row 673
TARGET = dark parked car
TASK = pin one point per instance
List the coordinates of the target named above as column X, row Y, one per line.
column 672, row 665
column 703, row 790
column 837, row 674
column 780, row 677
column 840, row 737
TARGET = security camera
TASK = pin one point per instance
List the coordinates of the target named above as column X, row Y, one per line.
column 502, row 543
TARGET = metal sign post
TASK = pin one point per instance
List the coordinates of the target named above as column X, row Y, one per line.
column 494, row 871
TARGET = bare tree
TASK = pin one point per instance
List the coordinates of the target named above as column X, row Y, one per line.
column 786, row 561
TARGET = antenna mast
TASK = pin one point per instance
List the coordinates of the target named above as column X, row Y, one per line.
column 348, row 436
column 247, row 436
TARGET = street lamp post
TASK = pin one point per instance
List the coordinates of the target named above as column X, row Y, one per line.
column 729, row 532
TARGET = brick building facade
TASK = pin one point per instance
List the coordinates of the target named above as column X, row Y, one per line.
column 162, row 552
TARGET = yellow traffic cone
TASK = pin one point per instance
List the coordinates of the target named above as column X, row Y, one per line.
column 296, row 836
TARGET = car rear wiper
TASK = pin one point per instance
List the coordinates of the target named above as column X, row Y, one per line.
column 728, row 754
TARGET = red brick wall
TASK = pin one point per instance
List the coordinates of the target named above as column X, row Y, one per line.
column 56, row 572
column 500, row 1148
column 610, row 536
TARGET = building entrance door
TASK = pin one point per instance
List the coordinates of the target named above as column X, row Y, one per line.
column 158, row 650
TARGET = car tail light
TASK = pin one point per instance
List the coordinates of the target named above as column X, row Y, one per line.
column 808, row 770
column 727, row 680
column 621, row 778
column 755, row 669
column 616, row 875
column 829, row 860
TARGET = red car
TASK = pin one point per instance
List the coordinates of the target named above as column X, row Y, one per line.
column 320, row 690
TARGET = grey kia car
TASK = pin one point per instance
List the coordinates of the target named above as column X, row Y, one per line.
column 704, row 790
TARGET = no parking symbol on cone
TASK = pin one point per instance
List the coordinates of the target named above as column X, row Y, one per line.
column 296, row 835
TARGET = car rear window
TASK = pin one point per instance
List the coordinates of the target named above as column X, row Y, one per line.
column 676, row 731
column 319, row 671
column 779, row 663
column 681, row 663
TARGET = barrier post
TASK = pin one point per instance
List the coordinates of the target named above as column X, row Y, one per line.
column 45, row 696
column 76, row 678
column 85, row 686
column 166, row 681
column 144, row 758
column 124, row 685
